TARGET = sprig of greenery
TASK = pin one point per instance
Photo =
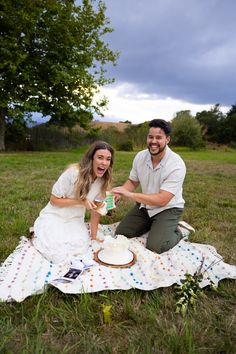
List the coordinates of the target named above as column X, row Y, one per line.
column 189, row 290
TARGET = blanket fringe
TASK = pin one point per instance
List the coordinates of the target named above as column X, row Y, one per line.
column 6, row 265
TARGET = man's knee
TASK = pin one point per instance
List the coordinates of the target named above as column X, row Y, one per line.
column 134, row 224
column 161, row 246
column 158, row 247
column 123, row 229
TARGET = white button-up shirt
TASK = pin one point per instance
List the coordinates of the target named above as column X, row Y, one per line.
column 168, row 175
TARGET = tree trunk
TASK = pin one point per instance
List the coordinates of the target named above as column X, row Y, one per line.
column 2, row 129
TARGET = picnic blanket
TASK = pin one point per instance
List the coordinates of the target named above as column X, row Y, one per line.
column 26, row 272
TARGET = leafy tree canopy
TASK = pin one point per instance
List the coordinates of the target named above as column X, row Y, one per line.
column 186, row 130
column 137, row 134
column 126, row 121
column 52, row 59
column 211, row 122
column 229, row 126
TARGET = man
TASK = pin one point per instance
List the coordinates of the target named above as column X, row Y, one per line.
column 160, row 172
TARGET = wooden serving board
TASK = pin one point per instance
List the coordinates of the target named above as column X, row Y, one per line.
column 115, row 265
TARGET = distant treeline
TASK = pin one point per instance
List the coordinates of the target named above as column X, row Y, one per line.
column 191, row 131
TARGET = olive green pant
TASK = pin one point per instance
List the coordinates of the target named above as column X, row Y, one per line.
column 163, row 233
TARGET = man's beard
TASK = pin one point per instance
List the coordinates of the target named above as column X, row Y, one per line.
column 159, row 152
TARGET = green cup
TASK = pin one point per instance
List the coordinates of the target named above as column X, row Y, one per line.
column 110, row 201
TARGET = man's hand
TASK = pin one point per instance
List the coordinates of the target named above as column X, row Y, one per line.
column 117, row 198
column 121, row 191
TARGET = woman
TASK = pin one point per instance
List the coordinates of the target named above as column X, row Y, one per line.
column 60, row 231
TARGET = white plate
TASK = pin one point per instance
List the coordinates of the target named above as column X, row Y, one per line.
column 123, row 259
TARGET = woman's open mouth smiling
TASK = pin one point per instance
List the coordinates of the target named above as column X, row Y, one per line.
column 101, row 170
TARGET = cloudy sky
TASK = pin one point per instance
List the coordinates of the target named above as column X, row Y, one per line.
column 174, row 55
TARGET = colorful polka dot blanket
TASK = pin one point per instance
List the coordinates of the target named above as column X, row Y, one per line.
column 26, row 272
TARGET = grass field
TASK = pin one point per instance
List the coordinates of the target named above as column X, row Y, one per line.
column 142, row 322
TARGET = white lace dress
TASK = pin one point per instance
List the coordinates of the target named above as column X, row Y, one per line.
column 60, row 232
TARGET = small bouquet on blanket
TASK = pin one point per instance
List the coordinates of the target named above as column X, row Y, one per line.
column 78, row 266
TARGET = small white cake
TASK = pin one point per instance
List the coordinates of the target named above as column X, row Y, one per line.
column 116, row 250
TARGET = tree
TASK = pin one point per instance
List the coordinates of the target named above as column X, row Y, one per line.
column 137, row 134
column 126, row 121
column 17, row 134
column 228, row 132
column 52, row 60
column 186, row 131
column 211, row 122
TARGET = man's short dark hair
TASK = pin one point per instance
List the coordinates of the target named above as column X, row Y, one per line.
column 161, row 123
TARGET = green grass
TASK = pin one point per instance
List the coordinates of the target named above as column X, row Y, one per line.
column 223, row 156
column 142, row 322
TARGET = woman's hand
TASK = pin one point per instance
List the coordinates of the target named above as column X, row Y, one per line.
column 97, row 240
column 89, row 204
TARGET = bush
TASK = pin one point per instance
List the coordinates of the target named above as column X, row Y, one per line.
column 232, row 144
column 44, row 137
column 111, row 135
column 186, row 131
column 125, row 146
column 17, row 136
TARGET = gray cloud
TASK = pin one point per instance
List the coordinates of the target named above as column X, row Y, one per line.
column 184, row 49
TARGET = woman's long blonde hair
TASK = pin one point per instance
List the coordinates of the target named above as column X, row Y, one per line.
column 85, row 166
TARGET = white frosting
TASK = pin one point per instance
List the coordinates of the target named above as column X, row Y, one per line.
column 116, row 250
